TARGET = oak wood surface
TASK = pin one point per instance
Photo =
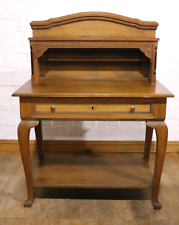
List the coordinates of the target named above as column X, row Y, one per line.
column 134, row 111
column 94, row 24
column 148, row 142
column 162, row 136
column 93, row 88
column 91, row 63
column 83, row 59
column 90, row 107
column 93, row 15
column 39, row 139
column 97, row 170
column 23, row 137
column 90, row 30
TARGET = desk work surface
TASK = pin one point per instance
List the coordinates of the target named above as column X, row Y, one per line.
column 93, row 88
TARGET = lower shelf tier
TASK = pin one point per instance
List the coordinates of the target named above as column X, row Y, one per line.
column 92, row 170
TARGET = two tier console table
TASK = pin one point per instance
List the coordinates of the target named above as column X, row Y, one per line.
column 93, row 66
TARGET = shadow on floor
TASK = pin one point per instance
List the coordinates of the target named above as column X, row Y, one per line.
column 92, row 193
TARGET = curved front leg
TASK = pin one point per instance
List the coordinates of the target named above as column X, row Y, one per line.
column 148, row 140
column 162, row 134
column 23, row 137
column 39, row 140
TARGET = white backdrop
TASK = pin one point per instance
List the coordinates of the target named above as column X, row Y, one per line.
column 15, row 16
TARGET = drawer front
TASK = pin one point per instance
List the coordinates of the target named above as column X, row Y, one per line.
column 91, row 108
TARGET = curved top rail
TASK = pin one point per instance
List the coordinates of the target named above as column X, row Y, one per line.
column 99, row 16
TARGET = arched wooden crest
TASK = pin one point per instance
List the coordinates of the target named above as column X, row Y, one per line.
column 95, row 24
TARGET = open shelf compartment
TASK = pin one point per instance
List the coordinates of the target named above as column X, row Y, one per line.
column 94, row 63
column 93, row 54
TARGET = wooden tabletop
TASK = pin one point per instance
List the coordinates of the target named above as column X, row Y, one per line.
column 93, row 88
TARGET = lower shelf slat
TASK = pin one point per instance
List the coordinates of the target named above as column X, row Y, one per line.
column 92, row 170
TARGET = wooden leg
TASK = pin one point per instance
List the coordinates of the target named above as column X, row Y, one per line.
column 23, row 137
column 162, row 134
column 39, row 140
column 148, row 140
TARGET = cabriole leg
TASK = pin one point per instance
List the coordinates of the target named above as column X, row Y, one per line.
column 162, row 134
column 148, row 140
column 39, row 140
column 23, row 137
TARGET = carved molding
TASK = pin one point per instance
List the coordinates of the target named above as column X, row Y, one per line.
column 147, row 51
column 149, row 25
column 38, row 51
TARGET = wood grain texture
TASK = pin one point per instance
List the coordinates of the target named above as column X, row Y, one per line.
column 93, row 16
column 91, row 108
column 93, row 24
column 124, row 211
column 93, row 88
column 55, row 208
column 93, row 30
column 95, row 60
column 148, row 141
column 97, row 170
column 23, row 137
column 39, row 140
column 162, row 135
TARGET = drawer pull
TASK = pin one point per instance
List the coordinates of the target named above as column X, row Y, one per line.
column 92, row 107
column 132, row 109
column 52, row 108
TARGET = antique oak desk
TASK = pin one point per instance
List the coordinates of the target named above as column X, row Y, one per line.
column 93, row 66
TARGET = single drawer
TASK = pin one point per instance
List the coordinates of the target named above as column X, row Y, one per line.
column 92, row 108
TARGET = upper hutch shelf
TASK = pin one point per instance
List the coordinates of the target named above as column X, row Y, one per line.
column 82, row 44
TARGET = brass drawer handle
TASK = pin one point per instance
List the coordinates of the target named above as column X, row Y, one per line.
column 132, row 109
column 52, row 108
